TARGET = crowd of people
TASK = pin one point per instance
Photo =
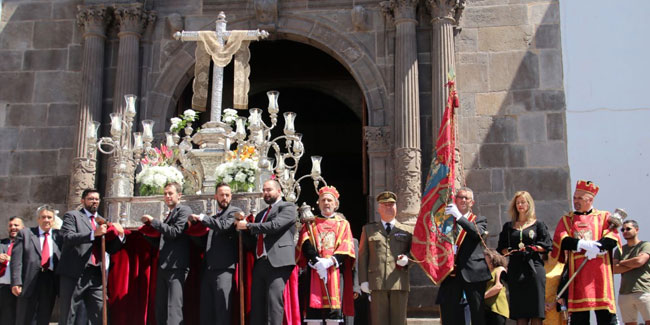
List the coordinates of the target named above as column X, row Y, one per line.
column 532, row 276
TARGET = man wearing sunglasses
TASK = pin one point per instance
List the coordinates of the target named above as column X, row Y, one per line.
column 632, row 264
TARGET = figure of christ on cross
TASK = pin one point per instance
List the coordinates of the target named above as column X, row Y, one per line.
column 221, row 45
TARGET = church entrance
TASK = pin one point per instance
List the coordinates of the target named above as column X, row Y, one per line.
column 330, row 115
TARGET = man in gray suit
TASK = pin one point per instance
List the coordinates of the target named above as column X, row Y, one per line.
column 80, row 263
column 221, row 254
column 272, row 236
column 35, row 255
column 7, row 299
column 174, row 256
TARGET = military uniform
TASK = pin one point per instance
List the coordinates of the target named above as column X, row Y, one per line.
column 388, row 282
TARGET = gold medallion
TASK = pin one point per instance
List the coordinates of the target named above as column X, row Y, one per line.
column 521, row 245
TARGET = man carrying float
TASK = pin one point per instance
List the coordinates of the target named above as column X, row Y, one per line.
column 325, row 244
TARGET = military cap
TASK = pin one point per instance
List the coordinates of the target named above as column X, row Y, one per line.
column 387, row 197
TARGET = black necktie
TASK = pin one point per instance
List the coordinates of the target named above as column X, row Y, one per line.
column 388, row 228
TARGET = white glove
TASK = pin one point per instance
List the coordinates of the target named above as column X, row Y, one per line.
column 402, row 260
column 452, row 209
column 591, row 248
column 364, row 287
column 322, row 273
column 324, row 263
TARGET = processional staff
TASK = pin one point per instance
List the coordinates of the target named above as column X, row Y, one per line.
column 222, row 45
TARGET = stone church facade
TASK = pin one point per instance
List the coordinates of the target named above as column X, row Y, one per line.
column 67, row 62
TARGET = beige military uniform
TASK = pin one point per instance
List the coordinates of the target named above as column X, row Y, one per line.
column 388, row 282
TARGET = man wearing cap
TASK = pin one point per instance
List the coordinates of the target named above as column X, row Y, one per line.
column 383, row 261
column 325, row 244
column 585, row 234
column 470, row 273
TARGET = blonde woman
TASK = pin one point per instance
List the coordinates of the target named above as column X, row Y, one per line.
column 524, row 239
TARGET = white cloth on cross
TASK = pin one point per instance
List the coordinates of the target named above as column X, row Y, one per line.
column 209, row 48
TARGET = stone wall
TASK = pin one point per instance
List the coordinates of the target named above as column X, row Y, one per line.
column 39, row 78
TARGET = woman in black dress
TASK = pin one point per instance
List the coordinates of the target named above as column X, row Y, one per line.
column 524, row 239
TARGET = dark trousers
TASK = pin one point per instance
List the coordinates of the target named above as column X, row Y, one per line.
column 603, row 317
column 7, row 305
column 492, row 318
column 169, row 296
column 85, row 292
column 216, row 288
column 362, row 310
column 451, row 307
column 37, row 309
column 267, row 304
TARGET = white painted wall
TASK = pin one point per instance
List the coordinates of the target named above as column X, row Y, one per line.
column 606, row 54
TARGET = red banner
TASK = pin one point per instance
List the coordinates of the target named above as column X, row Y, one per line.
column 432, row 246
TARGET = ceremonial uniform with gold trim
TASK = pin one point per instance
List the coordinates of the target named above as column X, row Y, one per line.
column 333, row 237
column 388, row 282
column 593, row 286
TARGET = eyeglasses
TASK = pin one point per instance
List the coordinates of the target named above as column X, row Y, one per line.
column 460, row 197
column 626, row 229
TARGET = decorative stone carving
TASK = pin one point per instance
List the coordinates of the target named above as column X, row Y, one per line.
column 407, row 180
column 82, row 177
column 378, row 138
column 93, row 20
column 359, row 18
column 174, row 24
column 352, row 54
column 266, row 13
column 397, row 10
column 131, row 19
column 450, row 10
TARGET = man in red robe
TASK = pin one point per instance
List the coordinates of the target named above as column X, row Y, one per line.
column 585, row 234
column 325, row 244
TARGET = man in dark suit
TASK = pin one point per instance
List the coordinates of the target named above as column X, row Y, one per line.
column 221, row 255
column 35, row 255
column 471, row 272
column 174, row 256
column 271, row 235
column 7, row 299
column 80, row 263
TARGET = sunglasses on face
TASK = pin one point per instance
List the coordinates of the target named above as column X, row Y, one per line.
column 626, row 229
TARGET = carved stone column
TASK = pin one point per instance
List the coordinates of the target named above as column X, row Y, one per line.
column 445, row 15
column 131, row 19
column 93, row 21
column 407, row 110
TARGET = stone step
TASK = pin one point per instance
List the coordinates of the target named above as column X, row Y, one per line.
column 423, row 321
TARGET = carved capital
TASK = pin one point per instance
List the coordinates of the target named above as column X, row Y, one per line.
column 378, row 138
column 450, row 10
column 408, row 179
column 131, row 18
column 266, row 13
column 82, row 177
column 399, row 11
column 93, row 20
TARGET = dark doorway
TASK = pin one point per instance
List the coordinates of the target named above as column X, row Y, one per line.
column 330, row 115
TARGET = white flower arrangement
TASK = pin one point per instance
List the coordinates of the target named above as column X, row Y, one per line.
column 229, row 116
column 179, row 123
column 239, row 174
column 152, row 179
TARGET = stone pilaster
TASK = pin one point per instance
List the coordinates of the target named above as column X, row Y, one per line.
column 407, row 109
column 378, row 140
column 131, row 19
column 93, row 21
column 445, row 14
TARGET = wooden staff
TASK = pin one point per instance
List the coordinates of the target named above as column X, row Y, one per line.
column 242, row 307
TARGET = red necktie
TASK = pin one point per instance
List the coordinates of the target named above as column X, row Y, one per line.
column 260, row 237
column 96, row 254
column 45, row 253
column 4, row 269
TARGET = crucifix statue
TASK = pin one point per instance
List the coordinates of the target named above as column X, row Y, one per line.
column 220, row 46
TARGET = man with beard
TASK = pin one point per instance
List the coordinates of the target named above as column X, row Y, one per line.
column 471, row 273
column 271, row 235
column 221, row 255
column 35, row 255
column 632, row 264
column 174, row 256
column 325, row 244
column 80, row 263
column 7, row 299
column 585, row 234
